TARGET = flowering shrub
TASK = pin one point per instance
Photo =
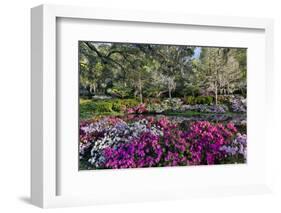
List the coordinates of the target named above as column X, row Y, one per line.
column 236, row 151
column 157, row 108
column 137, row 109
column 94, row 130
column 110, row 132
column 144, row 151
column 176, row 105
column 112, row 142
column 150, row 149
column 206, row 141
column 238, row 104
column 172, row 104
column 175, row 146
column 205, row 108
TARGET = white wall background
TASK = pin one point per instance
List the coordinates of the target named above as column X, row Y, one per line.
column 15, row 104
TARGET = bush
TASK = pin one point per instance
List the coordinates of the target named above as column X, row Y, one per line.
column 89, row 107
column 236, row 103
column 205, row 108
column 86, row 108
column 173, row 103
column 206, row 142
column 224, row 99
column 120, row 105
column 204, row 100
column 191, row 100
column 128, row 103
column 152, row 101
column 103, row 106
column 139, row 109
column 117, row 106
column 119, row 91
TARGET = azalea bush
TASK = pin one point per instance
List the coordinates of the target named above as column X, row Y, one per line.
column 111, row 142
column 110, row 132
column 172, row 104
column 205, row 108
column 166, row 147
column 139, row 109
column 176, row 105
column 236, row 151
column 206, row 142
column 236, row 103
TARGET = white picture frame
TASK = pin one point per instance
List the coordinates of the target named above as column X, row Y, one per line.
column 44, row 154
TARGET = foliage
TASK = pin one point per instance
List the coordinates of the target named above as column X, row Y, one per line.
column 191, row 100
column 160, row 71
column 129, row 102
column 87, row 107
column 120, row 91
column 90, row 107
column 103, row 106
column 222, row 72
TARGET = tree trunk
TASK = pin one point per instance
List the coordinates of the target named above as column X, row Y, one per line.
column 170, row 88
column 160, row 93
column 170, row 95
column 216, row 93
column 140, row 89
column 170, row 91
column 94, row 88
column 228, row 89
column 141, row 95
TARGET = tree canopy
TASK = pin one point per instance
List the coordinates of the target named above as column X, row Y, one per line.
column 153, row 71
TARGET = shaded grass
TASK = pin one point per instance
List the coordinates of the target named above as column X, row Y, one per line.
column 89, row 108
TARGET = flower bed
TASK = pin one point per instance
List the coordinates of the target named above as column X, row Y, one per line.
column 111, row 142
column 177, row 107
column 205, row 108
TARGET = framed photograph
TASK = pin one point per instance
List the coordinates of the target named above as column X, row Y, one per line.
column 129, row 106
